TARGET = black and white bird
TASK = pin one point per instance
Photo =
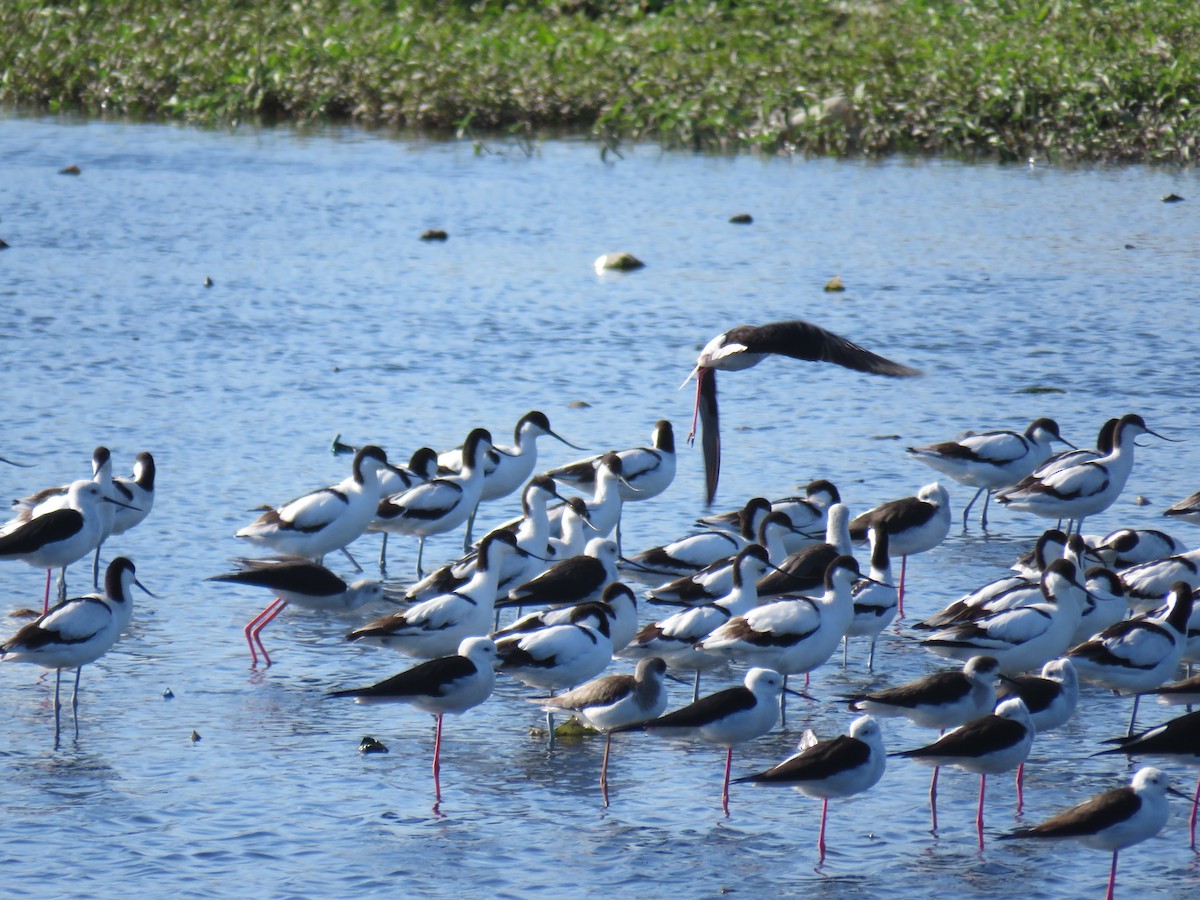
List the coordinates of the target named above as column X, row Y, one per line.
column 448, row 684
column 940, row 700
column 618, row 604
column 1112, row 820
column 1083, row 489
column 726, row 718
column 805, row 569
column 438, row 506
column 748, row 345
column 689, row 554
column 505, row 468
column 1137, row 654
column 557, row 657
column 806, row 514
column 435, row 627
column 648, row 471
column 61, row 535
column 842, row 767
column 989, row 745
column 298, row 582
column 1186, row 510
column 569, row 581
column 615, row 701
column 991, row 460
column 1178, row 692
column 137, row 493
column 1050, row 698
column 77, row 632
column 875, row 597
column 1147, row 583
column 1130, row 546
column 1179, row 740
column 327, row 519
column 914, row 525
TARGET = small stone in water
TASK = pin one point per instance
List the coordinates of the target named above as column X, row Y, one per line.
column 3, row 244
column 742, row 219
column 168, row 694
column 621, row 262
column 579, row 404
column 835, row 284
column 208, row 282
column 1172, row 198
column 434, row 234
column 70, row 170
column 195, row 736
column 1139, row 500
column 369, row 745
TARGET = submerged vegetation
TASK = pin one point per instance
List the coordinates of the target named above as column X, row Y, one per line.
column 1065, row 79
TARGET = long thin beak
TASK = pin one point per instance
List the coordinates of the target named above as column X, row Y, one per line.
column 1178, row 793
column 119, row 503
column 691, row 375
column 628, row 486
column 796, row 693
column 559, row 437
column 1068, row 443
column 337, row 448
column 1164, row 437
column 144, row 588
column 17, row 464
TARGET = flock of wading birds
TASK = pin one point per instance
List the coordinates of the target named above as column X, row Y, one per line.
column 773, row 586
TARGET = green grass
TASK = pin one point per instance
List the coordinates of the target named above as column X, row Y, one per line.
column 1085, row 80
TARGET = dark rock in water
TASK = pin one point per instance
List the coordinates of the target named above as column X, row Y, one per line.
column 1130, row 247
column 742, row 219
column 579, row 404
column 434, row 234
column 3, row 244
column 208, row 282
column 1172, row 198
column 70, row 170
column 621, row 262
column 369, row 745
column 195, row 736
column 168, row 694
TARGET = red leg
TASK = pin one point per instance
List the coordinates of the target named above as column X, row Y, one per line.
column 1020, row 787
column 725, row 789
column 933, row 798
column 46, row 602
column 258, row 629
column 254, row 626
column 604, row 769
column 821, row 835
column 979, row 814
column 1112, row 877
column 437, row 765
column 696, row 410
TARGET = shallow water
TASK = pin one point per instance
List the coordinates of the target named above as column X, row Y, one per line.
column 328, row 315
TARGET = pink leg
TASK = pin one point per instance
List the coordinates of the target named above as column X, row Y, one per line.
column 821, row 836
column 979, row 814
column 46, row 602
column 1112, row 877
column 437, row 765
column 604, row 770
column 257, row 624
column 933, row 798
column 725, row 789
column 1192, row 820
column 900, row 590
column 696, row 411
column 1020, row 787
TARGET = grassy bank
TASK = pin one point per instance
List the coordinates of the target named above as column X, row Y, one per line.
column 1014, row 78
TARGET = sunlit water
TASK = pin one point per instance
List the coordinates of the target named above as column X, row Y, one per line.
column 328, row 315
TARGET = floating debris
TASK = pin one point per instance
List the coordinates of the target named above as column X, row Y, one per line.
column 70, row 170
column 169, row 694
column 208, row 282
column 1139, row 500
column 1172, row 198
column 1040, row 389
column 835, row 284
column 742, row 219
column 621, row 262
column 369, row 745
column 3, row 244
column 195, row 737
column 434, row 234
column 579, row 404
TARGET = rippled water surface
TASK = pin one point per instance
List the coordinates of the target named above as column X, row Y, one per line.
column 328, row 315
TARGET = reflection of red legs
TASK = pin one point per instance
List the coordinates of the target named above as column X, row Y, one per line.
column 933, row 798
column 725, row 789
column 604, row 769
column 253, row 629
column 437, row 765
column 1020, row 786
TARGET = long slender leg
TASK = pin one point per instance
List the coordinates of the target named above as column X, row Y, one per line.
column 967, row 508
column 1192, row 820
column 75, row 701
column 871, row 655
column 696, row 687
column 437, row 765
column 353, row 561
column 783, row 706
column 57, row 705
column 1133, row 716
column 845, row 648
column 604, row 769
column 983, row 519
column 383, row 557
column 470, row 527
column 46, row 602
column 979, row 813
column 900, row 590
column 62, row 584
column 1020, row 787
column 255, row 628
column 933, row 798
column 96, row 567
column 1112, row 877
column 251, row 630
column 420, row 555
column 821, row 835
column 725, row 788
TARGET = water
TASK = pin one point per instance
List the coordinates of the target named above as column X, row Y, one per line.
column 328, row 315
